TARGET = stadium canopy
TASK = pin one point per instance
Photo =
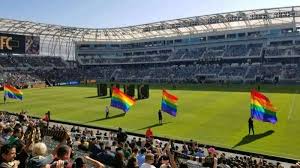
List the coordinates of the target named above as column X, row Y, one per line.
column 57, row 40
column 169, row 28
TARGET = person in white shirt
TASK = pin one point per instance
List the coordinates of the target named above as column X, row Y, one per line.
column 149, row 160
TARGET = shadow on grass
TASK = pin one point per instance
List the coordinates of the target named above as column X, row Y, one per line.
column 250, row 138
column 111, row 117
column 90, row 97
column 105, row 97
column 153, row 125
column 7, row 102
column 137, row 99
column 99, row 97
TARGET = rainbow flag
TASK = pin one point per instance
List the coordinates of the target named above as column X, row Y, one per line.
column 262, row 108
column 169, row 103
column 120, row 100
column 12, row 92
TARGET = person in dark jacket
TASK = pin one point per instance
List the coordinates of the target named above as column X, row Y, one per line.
column 250, row 125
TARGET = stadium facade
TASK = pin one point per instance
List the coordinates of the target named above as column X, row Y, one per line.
column 242, row 46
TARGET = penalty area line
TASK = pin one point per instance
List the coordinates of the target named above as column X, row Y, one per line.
column 292, row 106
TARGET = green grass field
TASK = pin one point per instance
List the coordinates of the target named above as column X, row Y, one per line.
column 211, row 117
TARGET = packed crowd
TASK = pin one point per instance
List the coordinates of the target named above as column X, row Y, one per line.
column 22, row 145
column 24, row 61
column 23, row 70
column 32, row 143
column 191, row 73
column 191, row 53
column 17, row 78
column 196, row 53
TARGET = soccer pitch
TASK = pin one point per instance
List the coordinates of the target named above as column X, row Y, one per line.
column 210, row 116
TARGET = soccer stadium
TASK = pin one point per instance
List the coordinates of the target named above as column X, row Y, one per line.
column 218, row 90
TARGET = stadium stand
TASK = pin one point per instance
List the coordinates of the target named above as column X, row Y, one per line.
column 233, row 47
column 108, row 148
column 234, row 71
column 31, row 61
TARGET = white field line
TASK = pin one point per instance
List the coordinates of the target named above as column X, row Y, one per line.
column 292, row 106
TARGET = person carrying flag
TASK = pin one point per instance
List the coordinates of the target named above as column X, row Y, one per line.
column 250, row 125
column 106, row 112
column 4, row 99
column 159, row 117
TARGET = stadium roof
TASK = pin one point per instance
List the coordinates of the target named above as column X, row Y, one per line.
column 170, row 28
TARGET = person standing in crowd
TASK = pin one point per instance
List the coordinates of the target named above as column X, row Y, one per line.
column 81, row 162
column 8, row 154
column 149, row 160
column 149, row 134
column 39, row 156
column 121, row 136
column 159, row 117
column 47, row 118
column 211, row 160
column 250, row 125
column 63, row 152
column 132, row 163
column 141, row 157
column 21, row 146
column 106, row 112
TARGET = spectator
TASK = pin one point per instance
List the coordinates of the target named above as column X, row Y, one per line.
column 149, row 134
column 21, row 147
column 121, row 135
column 141, row 157
column 132, row 163
column 119, row 160
column 16, row 138
column 8, row 154
column 81, row 162
column 6, row 134
column 149, row 160
column 106, row 157
column 139, row 142
column 223, row 164
column 127, row 151
column 165, row 162
column 211, row 160
column 199, row 152
column 102, row 150
column 39, row 158
column 63, row 153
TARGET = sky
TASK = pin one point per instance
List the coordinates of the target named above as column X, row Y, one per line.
column 119, row 13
